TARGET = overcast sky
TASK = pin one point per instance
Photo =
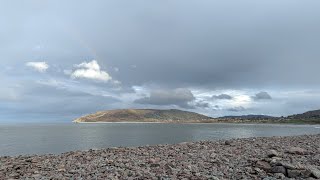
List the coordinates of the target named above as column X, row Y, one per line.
column 63, row 59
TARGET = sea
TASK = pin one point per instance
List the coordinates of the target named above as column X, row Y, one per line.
column 46, row 138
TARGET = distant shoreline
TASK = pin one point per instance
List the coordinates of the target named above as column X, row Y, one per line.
column 123, row 122
column 150, row 122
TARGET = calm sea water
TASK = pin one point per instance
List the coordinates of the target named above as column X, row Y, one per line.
column 58, row 138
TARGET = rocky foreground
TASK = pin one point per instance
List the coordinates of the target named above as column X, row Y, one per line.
column 253, row 158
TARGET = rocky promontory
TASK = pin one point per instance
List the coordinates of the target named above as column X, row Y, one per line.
column 179, row 116
column 144, row 115
column 269, row 158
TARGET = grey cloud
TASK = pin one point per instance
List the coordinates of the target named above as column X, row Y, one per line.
column 261, row 96
column 193, row 49
column 222, row 96
column 202, row 105
column 178, row 97
column 237, row 109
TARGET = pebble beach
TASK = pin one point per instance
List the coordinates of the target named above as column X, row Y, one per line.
column 295, row 157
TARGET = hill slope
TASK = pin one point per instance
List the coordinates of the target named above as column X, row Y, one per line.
column 307, row 117
column 144, row 115
column 310, row 117
column 250, row 116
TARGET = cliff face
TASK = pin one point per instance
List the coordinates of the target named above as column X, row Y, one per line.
column 144, row 115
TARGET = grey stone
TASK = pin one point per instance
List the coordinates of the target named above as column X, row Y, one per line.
column 272, row 153
column 269, row 178
column 295, row 173
column 258, row 170
column 292, row 166
column 287, row 165
column 15, row 175
column 296, row 150
column 305, row 173
column 315, row 172
column 263, row 165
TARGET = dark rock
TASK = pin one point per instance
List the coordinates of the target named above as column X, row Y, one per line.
column 29, row 160
column 278, row 169
column 227, row 142
column 154, row 165
column 279, row 176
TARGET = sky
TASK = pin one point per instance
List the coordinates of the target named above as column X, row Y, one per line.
column 64, row 59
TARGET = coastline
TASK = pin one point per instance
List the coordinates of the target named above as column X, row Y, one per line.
column 243, row 123
column 249, row 158
column 123, row 122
